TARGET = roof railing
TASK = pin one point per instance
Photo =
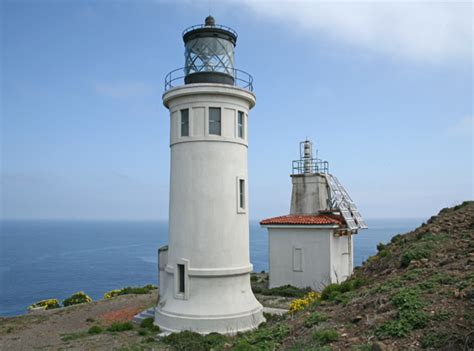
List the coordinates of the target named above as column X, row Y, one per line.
column 242, row 79
column 218, row 26
column 310, row 166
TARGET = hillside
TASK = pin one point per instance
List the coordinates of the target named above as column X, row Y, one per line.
column 416, row 293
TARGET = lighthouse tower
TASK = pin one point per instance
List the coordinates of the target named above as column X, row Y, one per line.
column 205, row 269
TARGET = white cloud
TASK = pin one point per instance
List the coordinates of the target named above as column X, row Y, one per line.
column 123, row 89
column 463, row 127
column 424, row 31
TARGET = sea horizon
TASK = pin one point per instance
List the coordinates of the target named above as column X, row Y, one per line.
column 52, row 258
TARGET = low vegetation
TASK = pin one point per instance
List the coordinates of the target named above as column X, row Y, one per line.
column 285, row 290
column 77, row 298
column 120, row 327
column 130, row 290
column 45, row 304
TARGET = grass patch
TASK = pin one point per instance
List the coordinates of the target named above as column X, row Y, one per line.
column 130, row 290
column 314, row 319
column 325, row 336
column 95, row 329
column 188, row 340
column 147, row 323
column 442, row 315
column 74, row 336
column 285, row 291
column 410, row 314
column 263, row 338
column 416, row 253
column 433, row 340
column 333, row 292
column 120, row 327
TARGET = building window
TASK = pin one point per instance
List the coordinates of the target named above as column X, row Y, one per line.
column 297, row 259
column 181, row 287
column 241, row 124
column 242, row 194
column 215, row 120
column 185, row 122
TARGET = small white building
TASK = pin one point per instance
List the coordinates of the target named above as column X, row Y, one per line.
column 312, row 246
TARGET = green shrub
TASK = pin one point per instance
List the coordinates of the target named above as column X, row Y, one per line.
column 412, row 274
column 381, row 247
column 396, row 328
column 398, row 239
column 188, row 340
column 95, row 329
column 314, row 318
column 285, row 291
column 410, row 314
column 433, row 340
column 330, row 292
column 407, row 299
column 263, row 338
column 253, row 278
column 148, row 323
column 325, row 336
column 130, row 290
column 120, row 327
column 150, row 339
column 45, row 304
column 77, row 298
column 333, row 292
column 416, row 253
column 416, row 319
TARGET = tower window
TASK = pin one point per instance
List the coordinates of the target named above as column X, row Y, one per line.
column 215, row 120
column 242, row 193
column 181, row 278
column 185, row 122
column 241, row 125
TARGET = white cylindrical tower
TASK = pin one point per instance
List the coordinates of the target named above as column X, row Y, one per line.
column 205, row 271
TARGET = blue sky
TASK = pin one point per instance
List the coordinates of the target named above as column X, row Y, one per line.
column 383, row 89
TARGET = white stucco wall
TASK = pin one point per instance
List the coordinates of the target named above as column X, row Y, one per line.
column 340, row 258
column 208, row 231
column 323, row 256
column 315, row 245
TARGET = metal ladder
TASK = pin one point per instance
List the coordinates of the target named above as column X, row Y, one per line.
column 345, row 204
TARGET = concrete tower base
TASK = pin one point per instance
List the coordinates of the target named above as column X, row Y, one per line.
column 205, row 324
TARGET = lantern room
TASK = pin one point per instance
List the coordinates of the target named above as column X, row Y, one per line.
column 209, row 53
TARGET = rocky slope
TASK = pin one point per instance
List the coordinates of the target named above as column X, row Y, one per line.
column 417, row 292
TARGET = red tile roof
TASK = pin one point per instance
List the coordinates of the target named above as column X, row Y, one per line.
column 319, row 219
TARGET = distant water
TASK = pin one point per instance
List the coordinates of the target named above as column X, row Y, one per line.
column 54, row 259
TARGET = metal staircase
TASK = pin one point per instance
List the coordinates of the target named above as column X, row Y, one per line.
column 342, row 201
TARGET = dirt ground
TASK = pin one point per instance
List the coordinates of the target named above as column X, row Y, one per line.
column 66, row 328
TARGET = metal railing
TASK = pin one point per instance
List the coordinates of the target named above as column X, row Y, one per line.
column 218, row 26
column 242, row 79
column 314, row 165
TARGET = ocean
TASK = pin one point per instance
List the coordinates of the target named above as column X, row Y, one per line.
column 54, row 259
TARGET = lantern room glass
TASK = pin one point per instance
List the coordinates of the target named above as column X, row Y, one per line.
column 209, row 54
